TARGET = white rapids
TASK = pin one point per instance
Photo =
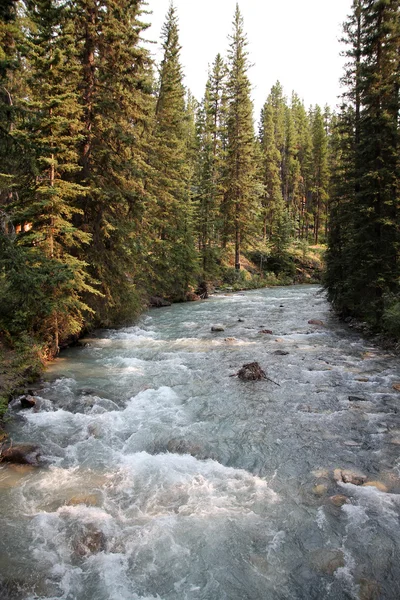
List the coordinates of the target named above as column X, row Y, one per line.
column 165, row 477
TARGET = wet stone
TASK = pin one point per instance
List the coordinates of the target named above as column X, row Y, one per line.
column 320, row 490
column 22, row 454
column 339, row 500
column 376, row 484
column 369, row 590
column 87, row 499
column 251, row 372
column 316, row 322
column 327, row 561
column 217, row 328
column 348, row 476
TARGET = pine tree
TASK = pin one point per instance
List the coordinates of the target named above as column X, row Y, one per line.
column 272, row 199
column 117, row 105
column 320, row 175
column 304, row 155
column 52, row 130
column 212, row 154
column 173, row 259
column 370, row 238
column 242, row 195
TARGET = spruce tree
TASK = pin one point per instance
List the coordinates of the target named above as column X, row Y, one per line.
column 117, row 105
column 51, row 129
column 212, row 154
column 320, row 174
column 242, row 192
column 370, row 114
column 272, row 199
column 173, row 259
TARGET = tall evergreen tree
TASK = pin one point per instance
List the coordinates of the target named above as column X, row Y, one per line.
column 320, row 174
column 272, row 199
column 373, row 77
column 173, row 259
column 242, row 195
column 212, row 153
column 116, row 98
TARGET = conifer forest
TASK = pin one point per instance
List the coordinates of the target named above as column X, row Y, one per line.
column 116, row 184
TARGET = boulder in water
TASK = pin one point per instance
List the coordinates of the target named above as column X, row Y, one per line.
column 22, row 454
column 176, row 446
column 251, row 372
column 90, row 541
column 267, row 331
column 348, row 476
column 396, row 387
column 217, row 328
column 157, row 302
column 316, row 322
column 281, row 352
column 27, row 401
column 339, row 500
column 357, row 399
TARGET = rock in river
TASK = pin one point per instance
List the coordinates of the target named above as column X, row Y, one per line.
column 251, row 372
column 22, row 454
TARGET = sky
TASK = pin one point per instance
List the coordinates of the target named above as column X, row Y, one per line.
column 295, row 41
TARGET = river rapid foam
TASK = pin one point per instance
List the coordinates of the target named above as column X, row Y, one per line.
column 167, row 478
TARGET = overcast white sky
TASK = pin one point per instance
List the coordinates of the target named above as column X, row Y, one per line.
column 295, row 41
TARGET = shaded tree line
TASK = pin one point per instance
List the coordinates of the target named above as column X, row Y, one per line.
column 115, row 183
column 363, row 269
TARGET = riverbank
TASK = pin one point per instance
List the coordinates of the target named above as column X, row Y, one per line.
column 20, row 367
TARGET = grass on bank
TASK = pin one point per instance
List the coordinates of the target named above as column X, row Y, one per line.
column 261, row 267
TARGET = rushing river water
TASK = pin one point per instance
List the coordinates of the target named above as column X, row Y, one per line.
column 167, row 479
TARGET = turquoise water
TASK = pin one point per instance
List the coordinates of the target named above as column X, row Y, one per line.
column 168, row 479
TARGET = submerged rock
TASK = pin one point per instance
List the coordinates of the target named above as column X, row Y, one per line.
column 217, row 328
column 176, row 446
column 357, row 399
column 87, row 499
column 281, row 353
column 316, row 322
column 339, row 500
column 327, row 561
column 22, row 454
column 320, row 490
column 376, row 484
column 267, row 331
column 90, row 541
column 369, row 590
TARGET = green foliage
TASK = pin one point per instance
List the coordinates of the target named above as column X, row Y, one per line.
column 172, row 259
column 241, row 204
column 391, row 316
column 363, row 255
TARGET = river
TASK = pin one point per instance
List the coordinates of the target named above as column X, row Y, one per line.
column 168, row 479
